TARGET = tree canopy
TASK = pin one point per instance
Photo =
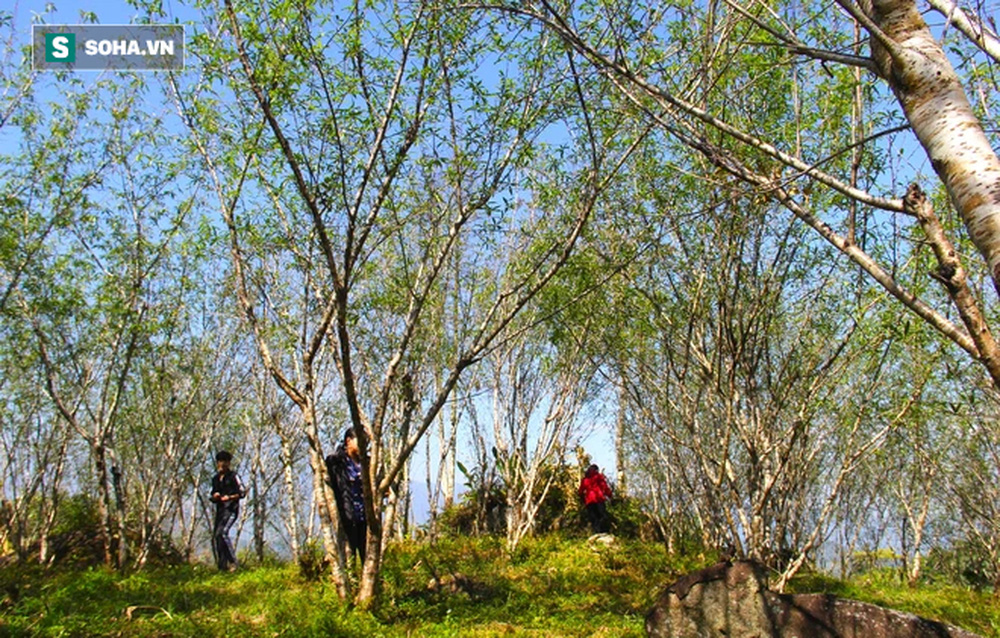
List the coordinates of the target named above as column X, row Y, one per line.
column 757, row 241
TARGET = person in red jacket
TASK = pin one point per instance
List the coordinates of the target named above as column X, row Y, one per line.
column 595, row 492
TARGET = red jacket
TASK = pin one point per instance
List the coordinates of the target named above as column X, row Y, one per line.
column 593, row 488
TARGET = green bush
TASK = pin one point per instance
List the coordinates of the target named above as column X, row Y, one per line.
column 627, row 517
column 965, row 564
column 312, row 560
column 76, row 536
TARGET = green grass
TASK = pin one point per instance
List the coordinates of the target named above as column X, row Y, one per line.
column 976, row 611
column 552, row 587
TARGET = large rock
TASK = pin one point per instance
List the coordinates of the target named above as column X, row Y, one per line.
column 731, row 600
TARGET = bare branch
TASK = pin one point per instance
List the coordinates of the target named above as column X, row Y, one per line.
column 970, row 26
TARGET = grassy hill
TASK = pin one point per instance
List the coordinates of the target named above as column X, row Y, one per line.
column 552, row 587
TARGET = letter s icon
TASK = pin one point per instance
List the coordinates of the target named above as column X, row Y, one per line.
column 59, row 47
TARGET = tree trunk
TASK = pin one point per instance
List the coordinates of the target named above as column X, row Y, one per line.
column 515, row 519
column 620, row 444
column 188, row 526
column 433, row 492
column 324, row 499
column 390, row 513
column 369, row 587
column 51, row 502
column 120, row 504
column 917, row 525
column 448, row 459
column 935, row 104
column 292, row 521
column 259, row 513
column 103, row 500
column 401, row 522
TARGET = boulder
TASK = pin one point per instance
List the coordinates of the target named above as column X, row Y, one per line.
column 732, row 600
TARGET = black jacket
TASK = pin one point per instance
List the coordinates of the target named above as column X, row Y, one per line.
column 227, row 485
column 350, row 504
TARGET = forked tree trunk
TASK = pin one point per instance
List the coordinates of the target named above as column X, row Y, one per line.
column 934, row 101
column 324, row 499
column 50, row 502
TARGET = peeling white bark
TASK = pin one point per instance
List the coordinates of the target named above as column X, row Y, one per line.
column 939, row 111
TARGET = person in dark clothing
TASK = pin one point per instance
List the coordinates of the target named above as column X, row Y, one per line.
column 344, row 469
column 595, row 492
column 227, row 490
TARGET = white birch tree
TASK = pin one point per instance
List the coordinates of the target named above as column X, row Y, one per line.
column 700, row 72
column 357, row 156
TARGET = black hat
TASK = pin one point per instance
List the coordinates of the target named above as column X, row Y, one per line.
column 223, row 455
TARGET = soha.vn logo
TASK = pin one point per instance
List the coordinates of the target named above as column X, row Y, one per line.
column 78, row 47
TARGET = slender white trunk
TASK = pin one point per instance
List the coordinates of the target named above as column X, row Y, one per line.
column 620, row 443
column 936, row 105
column 292, row 520
column 188, row 525
column 324, row 499
column 51, row 501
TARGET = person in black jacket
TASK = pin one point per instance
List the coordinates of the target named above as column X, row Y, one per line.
column 344, row 469
column 227, row 490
